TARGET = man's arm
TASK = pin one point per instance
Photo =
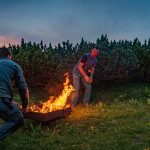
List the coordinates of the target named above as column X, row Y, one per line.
column 80, row 67
column 22, row 86
column 24, row 94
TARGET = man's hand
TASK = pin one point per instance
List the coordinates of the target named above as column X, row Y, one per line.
column 91, row 80
column 24, row 110
column 87, row 79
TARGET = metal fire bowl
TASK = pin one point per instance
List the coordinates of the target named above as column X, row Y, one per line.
column 47, row 117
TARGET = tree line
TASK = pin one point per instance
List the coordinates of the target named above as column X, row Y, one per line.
column 119, row 61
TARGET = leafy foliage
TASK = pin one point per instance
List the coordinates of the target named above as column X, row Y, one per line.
column 118, row 61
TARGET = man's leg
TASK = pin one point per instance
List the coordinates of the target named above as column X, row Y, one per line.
column 75, row 94
column 13, row 119
column 87, row 93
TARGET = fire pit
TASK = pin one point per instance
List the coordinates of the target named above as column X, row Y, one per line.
column 47, row 117
column 54, row 108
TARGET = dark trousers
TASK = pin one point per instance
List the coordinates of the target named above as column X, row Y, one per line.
column 11, row 114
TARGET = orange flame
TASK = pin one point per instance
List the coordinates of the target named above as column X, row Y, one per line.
column 57, row 103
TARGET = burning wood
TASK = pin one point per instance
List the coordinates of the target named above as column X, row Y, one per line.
column 54, row 107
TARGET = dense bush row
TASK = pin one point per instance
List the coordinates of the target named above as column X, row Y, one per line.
column 118, row 61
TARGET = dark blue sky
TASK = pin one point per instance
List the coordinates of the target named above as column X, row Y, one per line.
column 60, row 20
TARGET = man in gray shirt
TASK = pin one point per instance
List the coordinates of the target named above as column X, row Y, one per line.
column 9, row 110
column 84, row 71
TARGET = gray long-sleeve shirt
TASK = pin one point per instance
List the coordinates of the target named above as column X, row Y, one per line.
column 9, row 71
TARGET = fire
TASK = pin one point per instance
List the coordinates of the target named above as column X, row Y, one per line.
column 57, row 103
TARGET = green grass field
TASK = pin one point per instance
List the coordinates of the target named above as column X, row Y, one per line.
column 117, row 119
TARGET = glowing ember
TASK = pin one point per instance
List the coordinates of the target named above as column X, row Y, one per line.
column 57, row 103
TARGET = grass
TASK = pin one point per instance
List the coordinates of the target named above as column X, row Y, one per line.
column 117, row 119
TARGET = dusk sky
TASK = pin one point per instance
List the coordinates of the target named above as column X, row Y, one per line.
column 60, row 20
